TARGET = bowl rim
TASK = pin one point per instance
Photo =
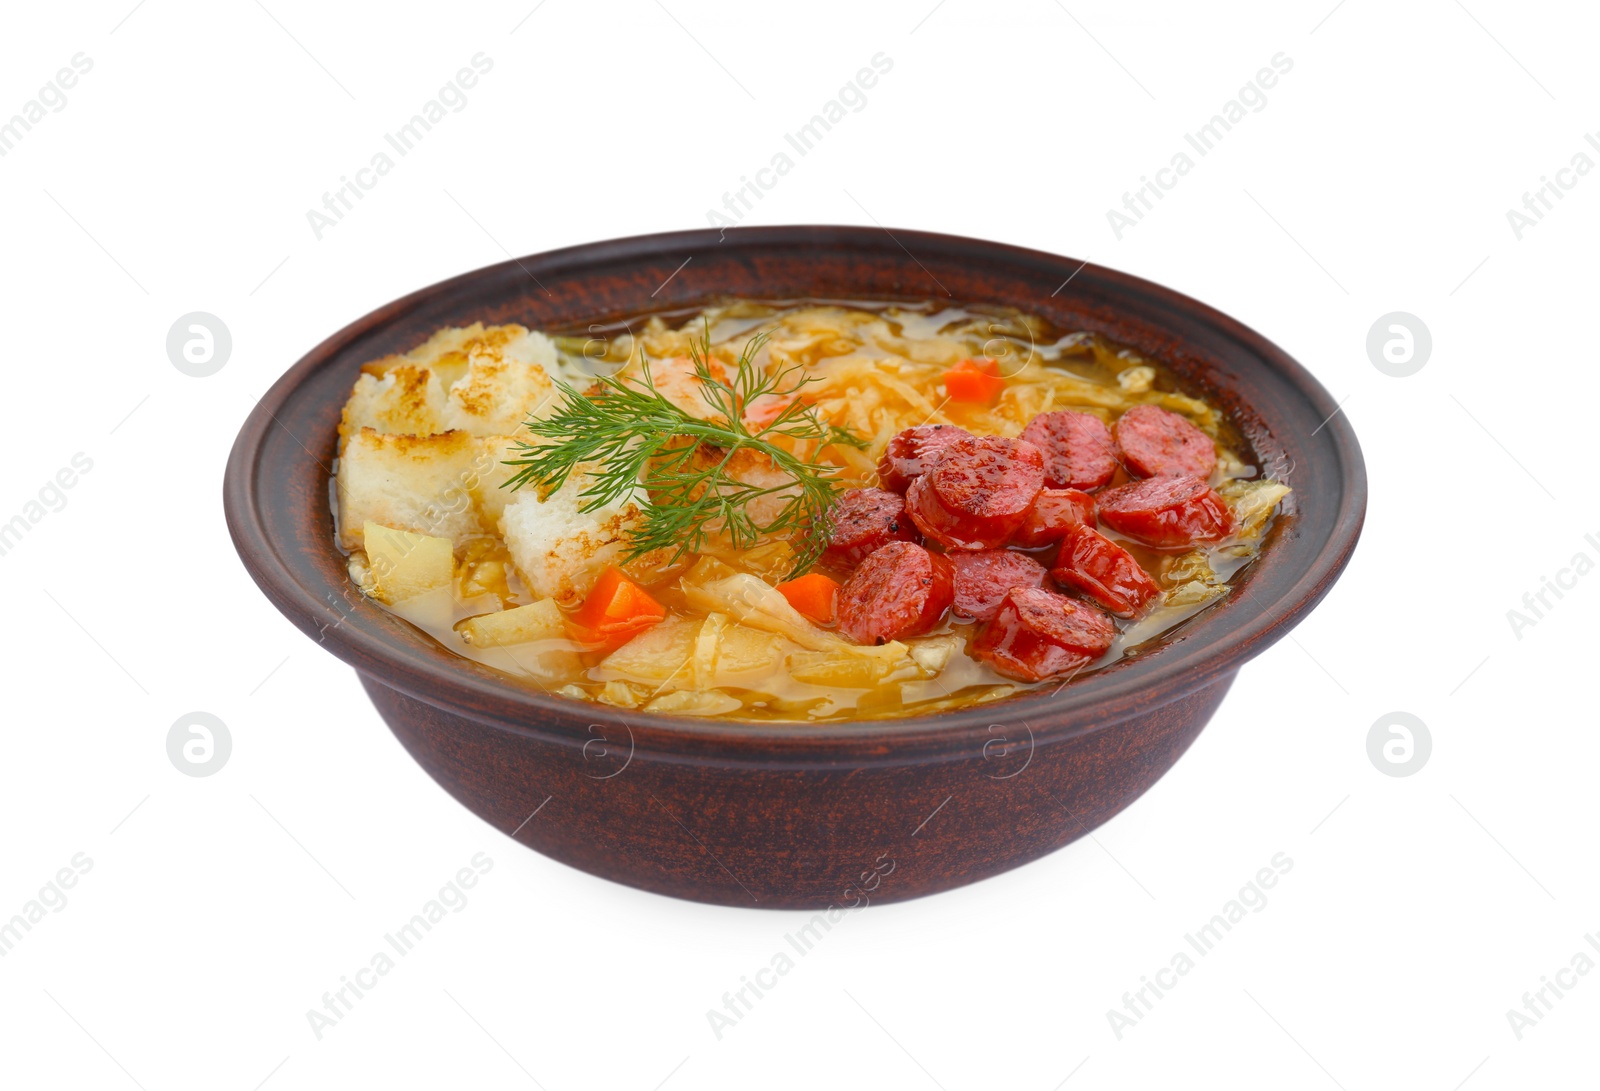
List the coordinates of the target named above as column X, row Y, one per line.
column 1101, row 699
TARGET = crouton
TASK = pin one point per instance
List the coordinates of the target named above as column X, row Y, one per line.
column 406, row 399
column 446, row 485
column 559, row 550
column 495, row 397
column 449, row 351
column 424, row 439
column 483, row 381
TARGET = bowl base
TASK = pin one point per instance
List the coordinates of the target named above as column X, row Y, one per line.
column 781, row 837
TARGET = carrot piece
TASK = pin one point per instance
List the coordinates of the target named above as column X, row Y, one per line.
column 974, row 380
column 814, row 595
column 615, row 611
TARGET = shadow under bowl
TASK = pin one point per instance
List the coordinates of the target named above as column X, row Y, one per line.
column 800, row 815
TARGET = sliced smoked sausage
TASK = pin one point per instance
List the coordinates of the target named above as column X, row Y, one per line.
column 1094, row 565
column 901, row 590
column 1054, row 512
column 978, row 492
column 1038, row 634
column 909, row 454
column 863, row 521
column 1167, row 512
column 983, row 578
column 1079, row 452
column 1157, row 442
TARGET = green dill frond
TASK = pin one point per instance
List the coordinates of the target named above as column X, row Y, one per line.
column 637, row 445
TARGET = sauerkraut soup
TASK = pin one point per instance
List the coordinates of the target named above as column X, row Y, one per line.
column 792, row 511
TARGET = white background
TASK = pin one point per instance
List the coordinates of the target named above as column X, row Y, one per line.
column 1376, row 178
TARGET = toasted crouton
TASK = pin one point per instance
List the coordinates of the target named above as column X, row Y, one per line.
column 448, row 352
column 446, row 485
column 559, row 550
column 494, row 397
column 406, row 399
column 483, row 381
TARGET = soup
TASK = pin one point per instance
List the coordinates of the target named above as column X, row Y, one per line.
column 792, row 511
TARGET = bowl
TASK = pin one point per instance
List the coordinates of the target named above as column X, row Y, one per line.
column 834, row 815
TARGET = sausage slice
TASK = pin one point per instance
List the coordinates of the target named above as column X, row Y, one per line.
column 1054, row 513
column 1093, row 564
column 978, row 492
column 983, row 578
column 1079, row 452
column 1155, row 442
column 901, row 590
column 910, row 454
column 863, row 521
column 1167, row 512
column 1038, row 634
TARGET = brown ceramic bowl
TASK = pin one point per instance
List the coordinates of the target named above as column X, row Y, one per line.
column 793, row 815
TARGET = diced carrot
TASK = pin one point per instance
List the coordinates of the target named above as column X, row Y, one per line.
column 974, row 380
column 615, row 611
column 814, row 595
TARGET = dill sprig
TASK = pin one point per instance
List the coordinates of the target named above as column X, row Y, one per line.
column 637, row 445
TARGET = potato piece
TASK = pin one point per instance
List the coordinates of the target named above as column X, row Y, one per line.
column 405, row 565
column 540, row 620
